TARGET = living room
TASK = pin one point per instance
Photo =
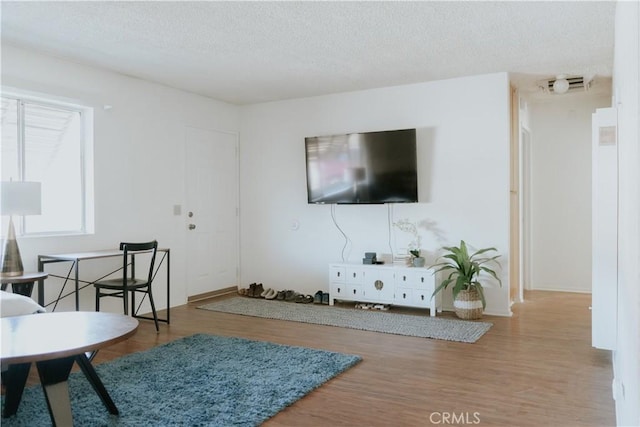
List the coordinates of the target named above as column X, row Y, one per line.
column 140, row 161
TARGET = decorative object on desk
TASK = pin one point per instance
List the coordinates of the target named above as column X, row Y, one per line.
column 243, row 382
column 464, row 271
column 366, row 320
column 416, row 259
column 17, row 198
column 369, row 258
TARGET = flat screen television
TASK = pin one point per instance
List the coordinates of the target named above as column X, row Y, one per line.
column 362, row 168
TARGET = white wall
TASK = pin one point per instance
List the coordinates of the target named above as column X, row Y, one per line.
column 560, row 184
column 626, row 358
column 139, row 158
column 464, row 179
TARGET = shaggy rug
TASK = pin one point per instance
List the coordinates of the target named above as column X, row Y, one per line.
column 366, row 320
column 201, row 380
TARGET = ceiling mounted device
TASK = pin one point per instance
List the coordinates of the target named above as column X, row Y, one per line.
column 562, row 84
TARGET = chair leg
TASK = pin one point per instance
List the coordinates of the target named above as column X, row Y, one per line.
column 97, row 299
column 125, row 301
column 153, row 309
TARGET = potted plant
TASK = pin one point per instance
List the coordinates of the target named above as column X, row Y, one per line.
column 416, row 259
column 464, row 271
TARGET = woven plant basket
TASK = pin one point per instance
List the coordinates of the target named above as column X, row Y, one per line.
column 468, row 305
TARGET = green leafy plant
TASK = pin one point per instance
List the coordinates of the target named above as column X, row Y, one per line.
column 464, row 269
column 415, row 252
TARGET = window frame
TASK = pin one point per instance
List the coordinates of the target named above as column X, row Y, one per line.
column 85, row 160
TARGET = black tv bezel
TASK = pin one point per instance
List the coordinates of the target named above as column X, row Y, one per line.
column 368, row 202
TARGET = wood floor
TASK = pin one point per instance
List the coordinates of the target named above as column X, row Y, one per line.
column 535, row 369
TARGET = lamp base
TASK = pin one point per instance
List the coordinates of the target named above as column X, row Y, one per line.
column 11, row 259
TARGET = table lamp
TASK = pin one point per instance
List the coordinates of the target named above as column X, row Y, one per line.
column 17, row 198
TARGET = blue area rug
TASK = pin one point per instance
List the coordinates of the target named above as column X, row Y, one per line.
column 201, row 380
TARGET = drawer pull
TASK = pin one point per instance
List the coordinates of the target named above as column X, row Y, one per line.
column 404, row 296
column 354, row 275
column 338, row 290
column 354, row 291
column 338, row 274
column 422, row 279
column 422, row 297
column 404, row 278
column 378, row 284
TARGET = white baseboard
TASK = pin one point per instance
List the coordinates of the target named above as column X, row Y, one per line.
column 555, row 289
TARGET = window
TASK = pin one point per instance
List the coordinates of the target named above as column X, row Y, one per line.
column 50, row 142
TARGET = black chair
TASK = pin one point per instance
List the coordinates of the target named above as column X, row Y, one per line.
column 121, row 287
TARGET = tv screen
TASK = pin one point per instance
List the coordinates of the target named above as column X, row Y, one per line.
column 366, row 168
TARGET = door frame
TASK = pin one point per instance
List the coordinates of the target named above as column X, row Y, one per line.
column 186, row 222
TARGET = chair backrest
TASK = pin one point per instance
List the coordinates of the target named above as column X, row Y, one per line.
column 134, row 248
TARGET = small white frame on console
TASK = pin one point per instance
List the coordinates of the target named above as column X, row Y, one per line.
column 384, row 284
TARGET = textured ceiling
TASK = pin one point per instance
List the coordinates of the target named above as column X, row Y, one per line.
column 248, row 52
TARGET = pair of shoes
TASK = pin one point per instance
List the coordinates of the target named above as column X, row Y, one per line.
column 255, row 290
column 271, row 294
column 325, row 298
column 264, row 293
column 304, row 299
column 258, row 290
column 317, row 298
column 290, row 296
column 281, row 295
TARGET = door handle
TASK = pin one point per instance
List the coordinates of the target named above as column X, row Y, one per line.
column 192, row 226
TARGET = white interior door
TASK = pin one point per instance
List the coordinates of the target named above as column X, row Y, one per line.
column 212, row 210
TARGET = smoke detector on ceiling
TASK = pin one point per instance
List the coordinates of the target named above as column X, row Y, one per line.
column 564, row 84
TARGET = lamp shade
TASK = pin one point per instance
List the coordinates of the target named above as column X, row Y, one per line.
column 20, row 198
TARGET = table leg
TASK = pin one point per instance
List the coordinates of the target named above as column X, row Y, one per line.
column 22, row 288
column 14, row 378
column 53, row 377
column 96, row 383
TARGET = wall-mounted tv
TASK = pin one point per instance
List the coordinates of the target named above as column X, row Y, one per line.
column 362, row 168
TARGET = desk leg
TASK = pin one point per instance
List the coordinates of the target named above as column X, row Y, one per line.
column 53, row 376
column 40, row 283
column 77, row 285
column 96, row 383
column 168, row 284
column 14, row 379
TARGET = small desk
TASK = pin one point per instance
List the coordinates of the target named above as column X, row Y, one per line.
column 75, row 259
column 22, row 284
column 46, row 340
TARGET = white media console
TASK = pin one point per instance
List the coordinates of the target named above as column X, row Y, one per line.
column 384, row 284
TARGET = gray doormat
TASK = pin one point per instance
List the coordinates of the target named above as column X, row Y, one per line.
column 366, row 320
